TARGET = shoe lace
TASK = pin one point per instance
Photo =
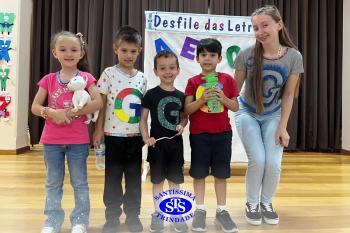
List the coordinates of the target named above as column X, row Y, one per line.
column 268, row 207
column 226, row 216
column 253, row 207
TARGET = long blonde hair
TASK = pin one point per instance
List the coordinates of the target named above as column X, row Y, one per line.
column 284, row 40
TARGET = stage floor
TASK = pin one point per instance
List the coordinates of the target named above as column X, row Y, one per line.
column 313, row 197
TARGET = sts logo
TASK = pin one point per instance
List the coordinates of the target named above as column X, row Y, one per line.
column 175, row 205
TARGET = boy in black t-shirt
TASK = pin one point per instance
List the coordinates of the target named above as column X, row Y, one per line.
column 166, row 105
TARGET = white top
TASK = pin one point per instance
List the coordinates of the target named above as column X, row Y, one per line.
column 124, row 93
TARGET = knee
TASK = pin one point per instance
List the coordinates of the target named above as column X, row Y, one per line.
column 54, row 181
column 80, row 184
column 220, row 181
column 273, row 166
column 257, row 161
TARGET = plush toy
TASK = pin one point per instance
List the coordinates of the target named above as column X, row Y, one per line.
column 80, row 96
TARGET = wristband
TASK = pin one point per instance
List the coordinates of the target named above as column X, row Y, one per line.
column 43, row 112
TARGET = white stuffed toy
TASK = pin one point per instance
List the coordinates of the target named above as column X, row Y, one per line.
column 80, row 96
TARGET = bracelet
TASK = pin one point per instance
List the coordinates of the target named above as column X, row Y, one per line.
column 43, row 112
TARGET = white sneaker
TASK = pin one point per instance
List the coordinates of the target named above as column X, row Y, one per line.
column 48, row 230
column 79, row 228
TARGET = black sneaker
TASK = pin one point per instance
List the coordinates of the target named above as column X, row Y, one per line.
column 180, row 227
column 269, row 215
column 198, row 222
column 252, row 213
column 111, row 227
column 224, row 222
column 157, row 225
column 133, row 224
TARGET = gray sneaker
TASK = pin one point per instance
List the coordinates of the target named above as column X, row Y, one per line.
column 268, row 213
column 157, row 225
column 180, row 227
column 198, row 223
column 252, row 213
column 224, row 222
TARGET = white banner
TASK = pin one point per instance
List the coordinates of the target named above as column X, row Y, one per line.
column 180, row 33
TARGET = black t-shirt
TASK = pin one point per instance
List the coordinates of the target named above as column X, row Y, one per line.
column 165, row 107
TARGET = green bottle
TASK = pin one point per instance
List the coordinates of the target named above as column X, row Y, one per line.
column 211, row 81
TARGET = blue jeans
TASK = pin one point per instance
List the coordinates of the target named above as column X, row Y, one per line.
column 257, row 133
column 54, row 156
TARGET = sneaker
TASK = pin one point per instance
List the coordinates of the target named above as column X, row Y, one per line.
column 180, row 227
column 157, row 225
column 252, row 213
column 269, row 214
column 111, row 227
column 224, row 221
column 48, row 230
column 79, row 228
column 198, row 223
column 134, row 224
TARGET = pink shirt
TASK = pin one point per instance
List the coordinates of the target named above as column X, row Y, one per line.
column 60, row 97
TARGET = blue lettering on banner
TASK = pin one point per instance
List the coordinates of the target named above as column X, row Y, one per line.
column 201, row 23
column 161, row 45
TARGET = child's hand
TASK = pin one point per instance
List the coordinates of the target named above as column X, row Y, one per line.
column 180, row 129
column 59, row 116
column 97, row 137
column 282, row 137
column 151, row 141
column 71, row 114
column 208, row 94
column 219, row 94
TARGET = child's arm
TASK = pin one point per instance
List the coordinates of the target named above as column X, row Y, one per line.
column 183, row 122
column 99, row 125
column 239, row 79
column 59, row 116
column 192, row 105
column 282, row 136
column 231, row 104
column 94, row 105
column 150, row 141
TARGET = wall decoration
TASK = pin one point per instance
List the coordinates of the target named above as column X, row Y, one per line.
column 4, row 102
column 4, row 76
column 4, row 50
column 6, row 31
column 6, row 23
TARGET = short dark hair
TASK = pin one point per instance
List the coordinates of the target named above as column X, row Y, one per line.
column 128, row 34
column 166, row 54
column 209, row 44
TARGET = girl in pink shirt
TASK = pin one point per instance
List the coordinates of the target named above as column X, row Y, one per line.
column 64, row 133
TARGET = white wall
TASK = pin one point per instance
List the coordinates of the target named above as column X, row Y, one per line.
column 13, row 134
column 346, row 77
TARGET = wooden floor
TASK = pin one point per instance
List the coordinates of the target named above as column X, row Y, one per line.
column 314, row 196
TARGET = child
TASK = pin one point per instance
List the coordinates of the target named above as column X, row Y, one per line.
column 271, row 71
column 65, row 133
column 166, row 105
column 210, row 133
column 122, row 87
